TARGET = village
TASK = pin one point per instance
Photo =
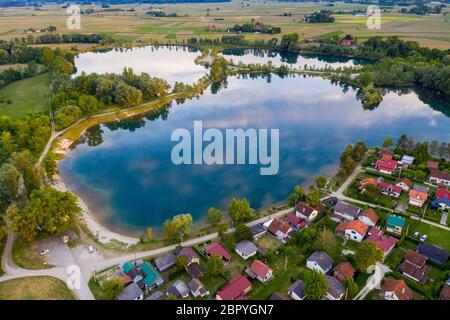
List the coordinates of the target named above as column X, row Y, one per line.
column 391, row 215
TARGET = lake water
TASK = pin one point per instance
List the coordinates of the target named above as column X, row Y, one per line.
column 125, row 174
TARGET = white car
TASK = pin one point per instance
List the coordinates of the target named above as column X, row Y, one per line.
column 91, row 249
column 416, row 234
column 45, row 251
column 423, row 237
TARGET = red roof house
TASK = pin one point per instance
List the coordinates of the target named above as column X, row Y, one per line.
column 390, row 189
column 344, row 271
column 236, row 289
column 260, row 271
column 396, row 290
column 218, row 249
column 279, row 228
column 385, row 243
column 432, row 165
column 442, row 193
column 386, row 166
column 295, row 221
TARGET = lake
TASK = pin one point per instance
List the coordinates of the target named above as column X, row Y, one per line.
column 124, row 171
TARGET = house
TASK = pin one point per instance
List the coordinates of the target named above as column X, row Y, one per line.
column 365, row 182
column 260, row 271
column 152, row 277
column 297, row 290
column 178, row 289
column 435, row 253
column 165, row 262
column 417, row 198
column 440, row 178
column 407, row 161
column 445, row 293
column 336, row 289
column 246, row 249
column 344, row 271
column 189, row 254
column 384, row 242
column 353, row 230
column 133, row 273
column 295, row 222
column 440, row 203
column 420, row 188
column 442, row 193
column 218, row 249
column 127, row 267
column 195, row 270
column 390, row 190
column 395, row 224
column 386, row 166
column 125, row 279
column 346, row 211
column 346, row 42
column 404, row 183
column 131, row 292
column 197, row 288
column 369, row 217
column 257, row 231
column 385, row 153
column 279, row 229
column 396, row 290
column 236, row 289
column 414, row 266
column 433, row 165
column 319, row 261
column 157, row 295
column 303, row 211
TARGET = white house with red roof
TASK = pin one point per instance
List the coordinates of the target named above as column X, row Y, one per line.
column 369, row 217
column 441, row 178
column 236, row 289
column 390, row 189
column 354, row 230
column 385, row 243
column 387, row 166
column 303, row 211
column 260, row 271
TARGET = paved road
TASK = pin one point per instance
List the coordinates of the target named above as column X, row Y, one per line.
column 374, row 281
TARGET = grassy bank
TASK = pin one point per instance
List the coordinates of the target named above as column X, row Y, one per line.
column 25, row 255
column 35, row 288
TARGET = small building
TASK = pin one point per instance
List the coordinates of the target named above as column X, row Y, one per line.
column 396, row 290
column 197, row 288
column 440, row 178
column 395, row 225
column 127, row 267
column 178, row 289
column 246, row 249
column 385, row 153
column 386, row 166
column 152, row 277
column 195, row 270
column 414, row 266
column 295, row 222
column 369, row 217
column 433, row 165
column 258, row 231
column 280, row 229
column 433, row 252
column 336, row 289
column 260, row 271
column 319, row 261
column 445, row 293
column 344, row 271
column 417, row 198
column 157, row 295
column 303, row 211
column 347, row 211
column 390, row 189
column 165, row 262
column 407, row 160
column 131, row 292
column 404, row 183
column 190, row 255
column 354, row 230
column 365, row 182
column 236, row 289
column 384, row 242
column 297, row 290
column 218, row 249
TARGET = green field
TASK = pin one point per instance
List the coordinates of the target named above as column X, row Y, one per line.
column 435, row 235
column 25, row 95
column 35, row 288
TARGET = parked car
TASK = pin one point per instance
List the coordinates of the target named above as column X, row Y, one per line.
column 45, row 251
column 423, row 237
column 416, row 234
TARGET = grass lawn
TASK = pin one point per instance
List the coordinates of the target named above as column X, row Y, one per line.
column 29, row 94
column 26, row 256
column 268, row 242
column 436, row 235
column 35, row 288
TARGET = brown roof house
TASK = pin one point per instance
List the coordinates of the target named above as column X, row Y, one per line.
column 414, row 266
column 344, row 271
column 396, row 290
column 303, row 211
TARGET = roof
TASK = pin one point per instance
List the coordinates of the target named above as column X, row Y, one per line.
column 259, row 268
column 434, row 252
column 372, row 215
column 219, row 249
column 385, row 243
column 165, row 262
column 127, row 266
column 235, row 289
column 157, row 295
column 389, row 186
column 386, row 165
column 432, row 165
column 407, row 159
column 365, row 182
column 189, row 253
column 442, row 175
column 417, row 195
column 130, row 292
column 420, row 188
column 442, row 193
column 246, row 247
column 346, row 269
column 195, row 270
column 385, row 151
column 151, row 275
column 304, row 209
column 445, row 293
column 399, row 287
column 411, row 270
column 439, row 202
column 278, row 225
column 396, row 221
column 257, row 229
column 335, row 287
column 348, row 209
column 296, row 221
column 415, row 258
column 195, row 284
column 405, row 181
column 356, row 225
column 322, row 259
column 178, row 288
column 298, row 287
